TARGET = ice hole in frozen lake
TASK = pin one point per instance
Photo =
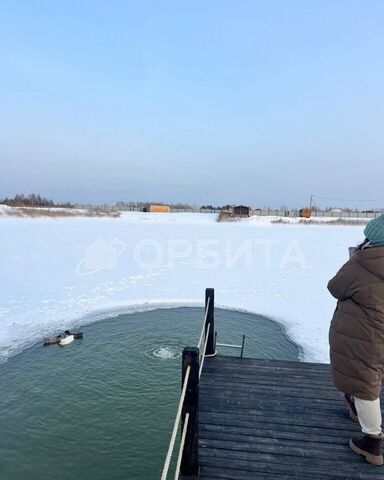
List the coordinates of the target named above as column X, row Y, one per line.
column 97, row 402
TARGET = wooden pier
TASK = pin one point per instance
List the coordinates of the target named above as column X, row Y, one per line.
column 256, row 419
column 275, row 420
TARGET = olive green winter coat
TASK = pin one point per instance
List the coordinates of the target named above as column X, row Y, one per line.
column 356, row 336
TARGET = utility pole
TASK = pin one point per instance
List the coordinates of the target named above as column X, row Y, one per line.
column 311, row 203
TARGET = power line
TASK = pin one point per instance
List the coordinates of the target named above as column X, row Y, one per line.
column 347, row 200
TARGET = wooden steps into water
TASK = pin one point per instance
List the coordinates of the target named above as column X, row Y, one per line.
column 275, row 420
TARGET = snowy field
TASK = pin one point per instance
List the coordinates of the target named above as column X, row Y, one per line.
column 64, row 272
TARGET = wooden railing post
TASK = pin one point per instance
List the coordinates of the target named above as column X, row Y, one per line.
column 210, row 294
column 190, row 461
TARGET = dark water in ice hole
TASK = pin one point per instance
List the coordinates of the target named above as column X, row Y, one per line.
column 103, row 408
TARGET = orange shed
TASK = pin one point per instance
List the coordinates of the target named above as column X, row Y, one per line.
column 305, row 212
column 159, row 208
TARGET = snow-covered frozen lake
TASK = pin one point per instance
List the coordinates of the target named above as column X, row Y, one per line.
column 61, row 272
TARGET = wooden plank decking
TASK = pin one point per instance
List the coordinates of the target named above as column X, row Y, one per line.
column 275, row 420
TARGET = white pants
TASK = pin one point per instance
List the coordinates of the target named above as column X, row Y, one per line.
column 369, row 414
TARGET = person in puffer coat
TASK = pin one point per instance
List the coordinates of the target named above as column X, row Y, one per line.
column 356, row 338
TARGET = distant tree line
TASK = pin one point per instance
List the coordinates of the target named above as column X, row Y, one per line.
column 36, row 200
column 211, row 207
column 33, row 200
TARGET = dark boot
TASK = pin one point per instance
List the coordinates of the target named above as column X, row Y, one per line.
column 351, row 407
column 369, row 446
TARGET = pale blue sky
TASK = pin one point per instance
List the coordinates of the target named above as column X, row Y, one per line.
column 261, row 102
